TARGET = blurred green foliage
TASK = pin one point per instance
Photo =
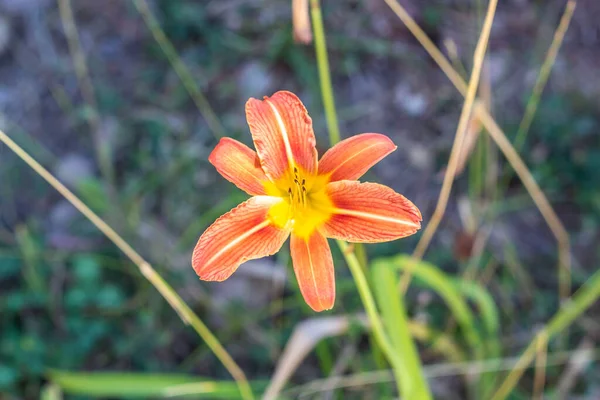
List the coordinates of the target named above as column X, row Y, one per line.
column 85, row 310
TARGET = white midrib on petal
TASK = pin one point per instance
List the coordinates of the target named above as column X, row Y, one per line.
column 284, row 135
column 312, row 272
column 237, row 240
column 373, row 216
column 353, row 156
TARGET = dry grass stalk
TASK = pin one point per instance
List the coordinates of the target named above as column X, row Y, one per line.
column 440, row 208
column 475, row 126
column 183, row 310
column 539, row 379
column 557, row 228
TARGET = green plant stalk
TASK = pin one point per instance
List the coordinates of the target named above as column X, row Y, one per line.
column 324, row 72
column 332, row 127
column 571, row 310
column 398, row 368
column 357, row 265
column 414, row 385
column 327, row 95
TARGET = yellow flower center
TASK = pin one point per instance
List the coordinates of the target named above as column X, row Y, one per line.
column 305, row 206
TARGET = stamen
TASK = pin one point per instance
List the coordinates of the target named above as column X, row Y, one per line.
column 299, row 190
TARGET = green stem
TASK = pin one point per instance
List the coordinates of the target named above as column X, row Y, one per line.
column 333, row 126
column 324, row 72
column 357, row 260
column 414, row 384
column 395, row 361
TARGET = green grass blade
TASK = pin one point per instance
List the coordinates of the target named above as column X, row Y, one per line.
column 442, row 285
column 120, row 384
column 491, row 322
column 393, row 312
column 489, row 313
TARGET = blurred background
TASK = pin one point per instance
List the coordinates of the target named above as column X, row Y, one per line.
column 132, row 142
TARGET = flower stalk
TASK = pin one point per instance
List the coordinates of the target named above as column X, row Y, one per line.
column 408, row 376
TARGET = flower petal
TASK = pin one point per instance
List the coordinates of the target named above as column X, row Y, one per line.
column 352, row 157
column 282, row 133
column 313, row 266
column 369, row 213
column 243, row 234
column 239, row 165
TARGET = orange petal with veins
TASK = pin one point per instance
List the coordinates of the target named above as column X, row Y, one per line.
column 239, row 165
column 282, row 133
column 352, row 157
column 244, row 233
column 313, row 266
column 369, row 213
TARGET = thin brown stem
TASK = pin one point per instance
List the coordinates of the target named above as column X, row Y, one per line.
column 440, row 209
column 539, row 379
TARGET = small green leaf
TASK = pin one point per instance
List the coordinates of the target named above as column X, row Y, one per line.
column 120, row 384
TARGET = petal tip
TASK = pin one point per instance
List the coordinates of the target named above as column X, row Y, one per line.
column 321, row 305
column 214, row 154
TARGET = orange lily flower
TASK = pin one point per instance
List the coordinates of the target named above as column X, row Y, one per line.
column 295, row 194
